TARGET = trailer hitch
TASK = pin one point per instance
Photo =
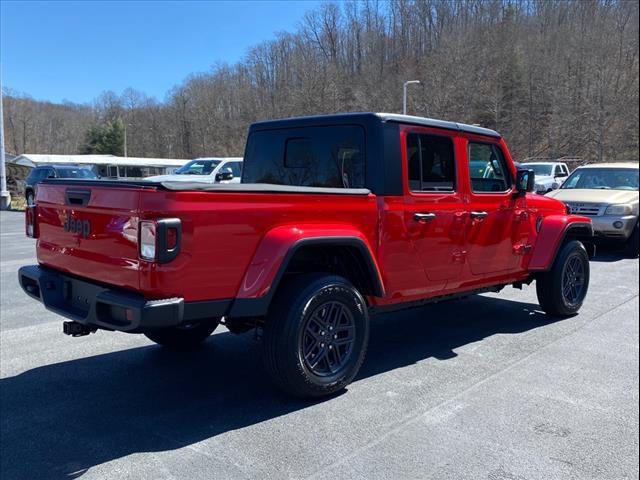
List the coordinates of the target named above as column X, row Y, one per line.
column 76, row 329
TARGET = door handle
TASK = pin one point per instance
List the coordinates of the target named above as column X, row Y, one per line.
column 479, row 215
column 423, row 217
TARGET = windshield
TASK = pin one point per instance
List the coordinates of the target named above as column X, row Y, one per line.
column 198, row 167
column 540, row 170
column 75, row 173
column 603, row 178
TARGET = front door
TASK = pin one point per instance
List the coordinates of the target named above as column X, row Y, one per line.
column 434, row 213
column 495, row 228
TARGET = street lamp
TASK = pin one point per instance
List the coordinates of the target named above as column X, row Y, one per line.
column 404, row 94
column 5, row 196
column 125, row 136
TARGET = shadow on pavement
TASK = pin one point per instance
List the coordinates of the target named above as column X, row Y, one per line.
column 609, row 254
column 60, row 420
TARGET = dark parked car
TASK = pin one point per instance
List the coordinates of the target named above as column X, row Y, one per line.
column 53, row 171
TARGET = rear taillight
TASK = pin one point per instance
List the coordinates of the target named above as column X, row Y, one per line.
column 148, row 240
column 160, row 240
column 31, row 221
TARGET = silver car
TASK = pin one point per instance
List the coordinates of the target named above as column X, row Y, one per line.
column 608, row 193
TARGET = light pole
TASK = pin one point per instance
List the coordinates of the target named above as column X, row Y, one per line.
column 125, row 137
column 5, row 196
column 404, row 94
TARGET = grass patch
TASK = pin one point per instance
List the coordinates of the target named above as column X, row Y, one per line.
column 18, row 203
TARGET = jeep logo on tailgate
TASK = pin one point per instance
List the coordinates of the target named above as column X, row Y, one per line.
column 76, row 225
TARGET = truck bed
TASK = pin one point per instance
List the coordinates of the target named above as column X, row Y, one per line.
column 222, row 225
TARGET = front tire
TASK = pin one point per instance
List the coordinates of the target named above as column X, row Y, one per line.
column 562, row 290
column 183, row 337
column 316, row 335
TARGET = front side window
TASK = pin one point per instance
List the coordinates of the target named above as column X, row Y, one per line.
column 236, row 168
column 332, row 156
column 431, row 163
column 488, row 169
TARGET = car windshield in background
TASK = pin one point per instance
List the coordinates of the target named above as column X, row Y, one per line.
column 75, row 173
column 198, row 167
column 603, row 178
column 541, row 170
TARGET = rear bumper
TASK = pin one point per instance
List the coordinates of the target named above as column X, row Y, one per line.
column 96, row 305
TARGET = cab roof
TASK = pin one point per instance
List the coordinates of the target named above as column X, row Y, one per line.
column 366, row 117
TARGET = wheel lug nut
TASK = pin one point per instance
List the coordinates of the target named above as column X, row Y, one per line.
column 330, row 347
column 322, row 345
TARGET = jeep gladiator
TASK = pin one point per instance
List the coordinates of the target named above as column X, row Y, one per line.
column 337, row 217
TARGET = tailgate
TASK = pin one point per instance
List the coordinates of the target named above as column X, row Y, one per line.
column 90, row 231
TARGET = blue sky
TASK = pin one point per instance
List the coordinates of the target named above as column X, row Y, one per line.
column 76, row 50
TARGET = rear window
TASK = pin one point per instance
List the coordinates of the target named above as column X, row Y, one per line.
column 331, row 157
column 75, row 173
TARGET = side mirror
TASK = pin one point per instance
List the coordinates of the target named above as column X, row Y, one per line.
column 525, row 181
column 224, row 175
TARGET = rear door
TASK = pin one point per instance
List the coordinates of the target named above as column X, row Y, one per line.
column 434, row 213
column 496, row 226
column 90, row 231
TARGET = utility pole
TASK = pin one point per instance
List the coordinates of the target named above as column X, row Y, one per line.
column 404, row 94
column 5, row 197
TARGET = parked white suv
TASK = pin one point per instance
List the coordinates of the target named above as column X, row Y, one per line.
column 209, row 169
column 549, row 175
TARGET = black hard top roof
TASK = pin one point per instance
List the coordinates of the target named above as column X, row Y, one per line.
column 368, row 117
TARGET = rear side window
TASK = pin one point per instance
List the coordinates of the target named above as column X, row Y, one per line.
column 488, row 169
column 236, row 168
column 332, row 156
column 431, row 163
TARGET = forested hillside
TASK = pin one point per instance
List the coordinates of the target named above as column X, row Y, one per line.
column 555, row 77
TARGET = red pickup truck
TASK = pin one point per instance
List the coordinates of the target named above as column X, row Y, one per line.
column 337, row 217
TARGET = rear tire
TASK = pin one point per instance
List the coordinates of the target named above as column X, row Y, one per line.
column 183, row 337
column 315, row 335
column 30, row 199
column 561, row 290
column 632, row 247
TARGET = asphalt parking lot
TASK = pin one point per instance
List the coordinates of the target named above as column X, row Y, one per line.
column 483, row 388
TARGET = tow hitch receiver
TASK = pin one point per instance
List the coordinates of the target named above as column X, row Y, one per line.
column 76, row 329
